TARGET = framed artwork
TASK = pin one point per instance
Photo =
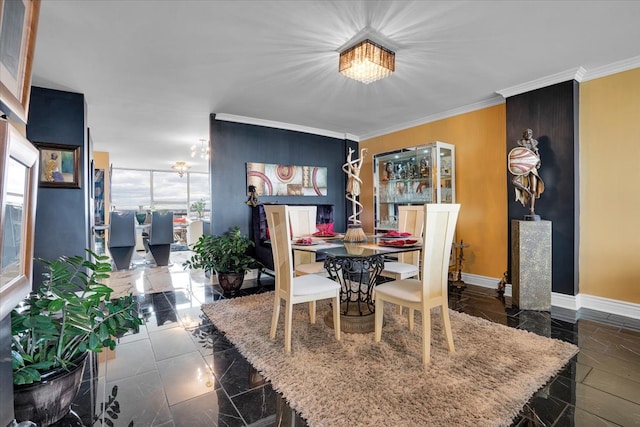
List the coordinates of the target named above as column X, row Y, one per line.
column 18, row 192
column 98, row 200
column 59, row 165
column 18, row 27
column 287, row 180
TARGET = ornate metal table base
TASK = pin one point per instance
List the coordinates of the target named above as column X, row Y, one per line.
column 357, row 276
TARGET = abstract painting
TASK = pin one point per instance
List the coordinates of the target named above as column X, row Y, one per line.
column 287, row 180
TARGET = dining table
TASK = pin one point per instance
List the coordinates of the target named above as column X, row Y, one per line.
column 357, row 267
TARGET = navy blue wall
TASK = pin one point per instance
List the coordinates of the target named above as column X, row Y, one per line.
column 62, row 213
column 235, row 144
column 552, row 114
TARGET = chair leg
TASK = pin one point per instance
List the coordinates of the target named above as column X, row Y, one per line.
column 426, row 336
column 336, row 317
column 446, row 323
column 275, row 316
column 288, row 314
column 312, row 312
column 399, row 310
column 379, row 314
column 410, row 319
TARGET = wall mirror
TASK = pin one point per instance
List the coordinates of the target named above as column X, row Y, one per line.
column 18, row 189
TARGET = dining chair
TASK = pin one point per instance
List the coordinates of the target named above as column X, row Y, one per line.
column 303, row 224
column 161, row 236
column 195, row 230
column 431, row 290
column 294, row 290
column 122, row 239
column 410, row 220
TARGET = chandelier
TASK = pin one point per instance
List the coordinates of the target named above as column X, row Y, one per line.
column 367, row 62
column 180, row 167
column 204, row 149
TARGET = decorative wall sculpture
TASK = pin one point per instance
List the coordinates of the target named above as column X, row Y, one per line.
column 287, row 180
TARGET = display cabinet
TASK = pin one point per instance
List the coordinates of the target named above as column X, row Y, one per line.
column 410, row 176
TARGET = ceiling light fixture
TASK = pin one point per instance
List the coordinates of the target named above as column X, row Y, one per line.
column 204, row 149
column 181, row 168
column 367, row 62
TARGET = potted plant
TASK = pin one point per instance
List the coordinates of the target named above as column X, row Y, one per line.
column 198, row 207
column 69, row 314
column 225, row 254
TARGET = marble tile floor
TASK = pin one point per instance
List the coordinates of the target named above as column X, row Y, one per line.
column 179, row 371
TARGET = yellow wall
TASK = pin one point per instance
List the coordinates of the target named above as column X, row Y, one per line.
column 609, row 194
column 481, row 181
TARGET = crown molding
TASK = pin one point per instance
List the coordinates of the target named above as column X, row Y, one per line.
column 495, row 100
column 613, row 68
column 579, row 74
column 285, row 126
column 574, row 74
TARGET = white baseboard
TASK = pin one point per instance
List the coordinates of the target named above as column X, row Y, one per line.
column 571, row 302
column 485, row 282
column 621, row 308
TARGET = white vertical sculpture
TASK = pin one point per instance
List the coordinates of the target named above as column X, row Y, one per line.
column 354, row 182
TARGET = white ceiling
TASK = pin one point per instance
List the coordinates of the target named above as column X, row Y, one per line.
column 153, row 71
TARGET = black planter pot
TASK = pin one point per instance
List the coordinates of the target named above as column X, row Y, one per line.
column 230, row 282
column 47, row 401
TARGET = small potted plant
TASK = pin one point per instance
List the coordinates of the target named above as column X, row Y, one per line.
column 69, row 314
column 225, row 254
column 199, row 207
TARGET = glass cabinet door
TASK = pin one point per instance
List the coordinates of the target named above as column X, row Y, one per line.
column 414, row 175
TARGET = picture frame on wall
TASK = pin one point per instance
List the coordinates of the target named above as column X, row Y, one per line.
column 18, row 28
column 59, row 165
column 18, row 194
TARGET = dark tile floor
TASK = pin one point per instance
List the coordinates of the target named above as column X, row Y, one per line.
column 179, row 371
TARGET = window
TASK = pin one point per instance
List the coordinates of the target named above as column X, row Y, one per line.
column 130, row 189
column 144, row 189
column 199, row 190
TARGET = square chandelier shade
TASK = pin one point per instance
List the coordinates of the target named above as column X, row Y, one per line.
column 367, row 62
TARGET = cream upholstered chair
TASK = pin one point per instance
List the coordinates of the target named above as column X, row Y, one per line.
column 410, row 219
column 431, row 290
column 294, row 290
column 303, row 224
column 195, row 229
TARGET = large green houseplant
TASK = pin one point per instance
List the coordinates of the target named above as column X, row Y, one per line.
column 227, row 255
column 69, row 314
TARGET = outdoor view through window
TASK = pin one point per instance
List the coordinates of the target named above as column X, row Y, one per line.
column 158, row 190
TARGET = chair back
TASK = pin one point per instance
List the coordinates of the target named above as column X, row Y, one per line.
column 122, row 229
column 411, row 220
column 303, row 220
column 161, row 228
column 439, row 227
column 278, row 223
column 195, row 229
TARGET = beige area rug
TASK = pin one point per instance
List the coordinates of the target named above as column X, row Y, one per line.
column 356, row 382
